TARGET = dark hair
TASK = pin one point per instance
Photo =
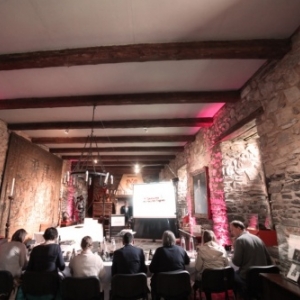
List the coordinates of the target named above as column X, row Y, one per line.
column 168, row 238
column 238, row 224
column 127, row 238
column 208, row 235
column 50, row 234
column 86, row 242
column 19, row 235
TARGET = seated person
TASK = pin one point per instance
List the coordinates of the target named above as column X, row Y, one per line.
column 169, row 257
column 87, row 263
column 127, row 211
column 249, row 250
column 47, row 256
column 211, row 255
column 13, row 254
column 129, row 259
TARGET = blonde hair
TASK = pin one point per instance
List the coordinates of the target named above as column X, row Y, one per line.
column 208, row 235
column 168, row 238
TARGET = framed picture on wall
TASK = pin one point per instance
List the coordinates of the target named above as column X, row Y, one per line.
column 201, row 193
column 296, row 256
column 294, row 272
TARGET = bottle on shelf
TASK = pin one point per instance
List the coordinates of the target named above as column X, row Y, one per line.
column 182, row 243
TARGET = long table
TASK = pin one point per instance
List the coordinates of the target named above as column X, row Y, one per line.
column 105, row 282
column 275, row 286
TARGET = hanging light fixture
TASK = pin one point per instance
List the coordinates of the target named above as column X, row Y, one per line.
column 86, row 166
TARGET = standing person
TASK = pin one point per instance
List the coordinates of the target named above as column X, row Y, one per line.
column 127, row 211
column 249, row 250
column 13, row 254
column 129, row 259
column 47, row 256
column 169, row 257
column 211, row 255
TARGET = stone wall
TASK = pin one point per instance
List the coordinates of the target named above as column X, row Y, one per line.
column 245, row 191
column 3, row 147
column 276, row 89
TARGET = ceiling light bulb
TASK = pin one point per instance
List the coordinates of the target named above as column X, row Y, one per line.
column 66, row 131
column 136, row 168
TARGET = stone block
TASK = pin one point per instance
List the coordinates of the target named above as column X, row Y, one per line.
column 293, row 93
column 275, row 188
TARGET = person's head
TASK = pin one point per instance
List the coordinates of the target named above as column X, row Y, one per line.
column 19, row 235
column 125, row 203
column 208, row 236
column 86, row 243
column 236, row 228
column 50, row 234
column 168, row 238
column 127, row 238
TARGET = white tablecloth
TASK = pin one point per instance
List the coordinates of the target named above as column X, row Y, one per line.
column 105, row 282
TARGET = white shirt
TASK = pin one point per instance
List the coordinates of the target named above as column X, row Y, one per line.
column 87, row 264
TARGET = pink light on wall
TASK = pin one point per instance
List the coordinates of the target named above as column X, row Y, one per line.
column 217, row 202
column 209, row 110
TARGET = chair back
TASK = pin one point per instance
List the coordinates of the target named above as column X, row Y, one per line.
column 6, row 284
column 254, row 281
column 173, row 285
column 40, row 283
column 218, row 280
column 129, row 286
column 79, row 288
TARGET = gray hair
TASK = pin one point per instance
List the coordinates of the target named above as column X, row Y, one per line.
column 238, row 224
column 168, row 238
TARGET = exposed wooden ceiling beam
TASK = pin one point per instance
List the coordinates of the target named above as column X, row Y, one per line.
column 118, row 149
column 126, row 163
column 123, row 99
column 117, row 158
column 127, row 170
column 242, row 49
column 152, row 123
column 115, row 139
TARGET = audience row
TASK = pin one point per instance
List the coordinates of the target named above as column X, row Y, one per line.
column 249, row 250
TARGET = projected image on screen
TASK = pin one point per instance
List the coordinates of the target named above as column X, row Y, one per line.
column 154, row 200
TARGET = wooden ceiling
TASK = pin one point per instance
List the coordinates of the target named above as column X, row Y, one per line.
column 154, row 79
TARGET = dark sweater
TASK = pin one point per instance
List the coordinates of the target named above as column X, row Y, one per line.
column 46, row 258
